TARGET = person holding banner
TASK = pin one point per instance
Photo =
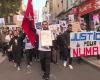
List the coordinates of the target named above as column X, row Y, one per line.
column 98, row 29
column 67, row 57
column 44, row 49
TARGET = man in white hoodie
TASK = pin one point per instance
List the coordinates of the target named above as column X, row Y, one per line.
column 45, row 53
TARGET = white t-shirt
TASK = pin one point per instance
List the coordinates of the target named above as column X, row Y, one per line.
column 28, row 45
column 7, row 38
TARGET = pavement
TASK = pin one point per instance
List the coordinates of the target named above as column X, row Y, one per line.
column 58, row 72
column 81, row 71
column 2, row 58
column 93, row 61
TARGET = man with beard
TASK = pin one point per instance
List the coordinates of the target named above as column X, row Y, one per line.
column 67, row 57
column 44, row 53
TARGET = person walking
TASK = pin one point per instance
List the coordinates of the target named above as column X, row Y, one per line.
column 3, row 43
column 44, row 52
column 28, row 51
column 67, row 57
column 8, row 37
column 15, row 42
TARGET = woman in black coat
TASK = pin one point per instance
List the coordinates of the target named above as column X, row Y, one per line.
column 16, row 43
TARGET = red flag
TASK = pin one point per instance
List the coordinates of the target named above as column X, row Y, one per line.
column 26, row 23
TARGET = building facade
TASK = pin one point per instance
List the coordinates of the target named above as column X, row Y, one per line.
column 87, row 11
column 90, row 12
column 46, row 13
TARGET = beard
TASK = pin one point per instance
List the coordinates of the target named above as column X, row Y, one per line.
column 45, row 28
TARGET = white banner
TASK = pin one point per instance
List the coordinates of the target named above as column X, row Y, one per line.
column 63, row 23
column 46, row 38
column 71, row 18
column 2, row 21
column 84, row 43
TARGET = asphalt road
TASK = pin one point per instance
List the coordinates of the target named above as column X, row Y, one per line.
column 58, row 72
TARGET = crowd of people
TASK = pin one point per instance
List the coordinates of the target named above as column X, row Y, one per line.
column 15, row 44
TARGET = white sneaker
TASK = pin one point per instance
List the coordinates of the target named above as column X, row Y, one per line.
column 65, row 63
column 30, row 63
column 70, row 66
column 18, row 69
column 28, row 66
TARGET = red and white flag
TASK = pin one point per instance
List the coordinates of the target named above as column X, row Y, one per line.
column 26, row 23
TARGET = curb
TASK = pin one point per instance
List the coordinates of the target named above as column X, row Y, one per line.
column 91, row 63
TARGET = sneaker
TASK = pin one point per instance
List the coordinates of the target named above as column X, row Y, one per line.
column 30, row 63
column 43, row 77
column 28, row 66
column 70, row 66
column 46, row 78
column 18, row 69
column 65, row 63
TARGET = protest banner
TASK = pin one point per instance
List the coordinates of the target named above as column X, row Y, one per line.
column 76, row 27
column 46, row 38
column 62, row 23
column 2, row 21
column 84, row 43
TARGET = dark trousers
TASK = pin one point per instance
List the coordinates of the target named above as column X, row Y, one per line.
column 29, row 55
column 61, row 56
column 4, row 48
column 45, row 62
column 67, row 56
column 17, row 57
column 36, row 53
column 10, row 55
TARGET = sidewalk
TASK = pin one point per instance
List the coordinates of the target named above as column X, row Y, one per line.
column 2, row 58
column 92, row 61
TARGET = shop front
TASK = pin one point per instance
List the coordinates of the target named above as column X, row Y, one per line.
column 90, row 14
column 72, row 15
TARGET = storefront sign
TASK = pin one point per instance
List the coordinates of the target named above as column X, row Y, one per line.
column 82, row 1
column 87, row 7
column 85, row 44
column 96, row 19
column 75, row 10
column 71, row 18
